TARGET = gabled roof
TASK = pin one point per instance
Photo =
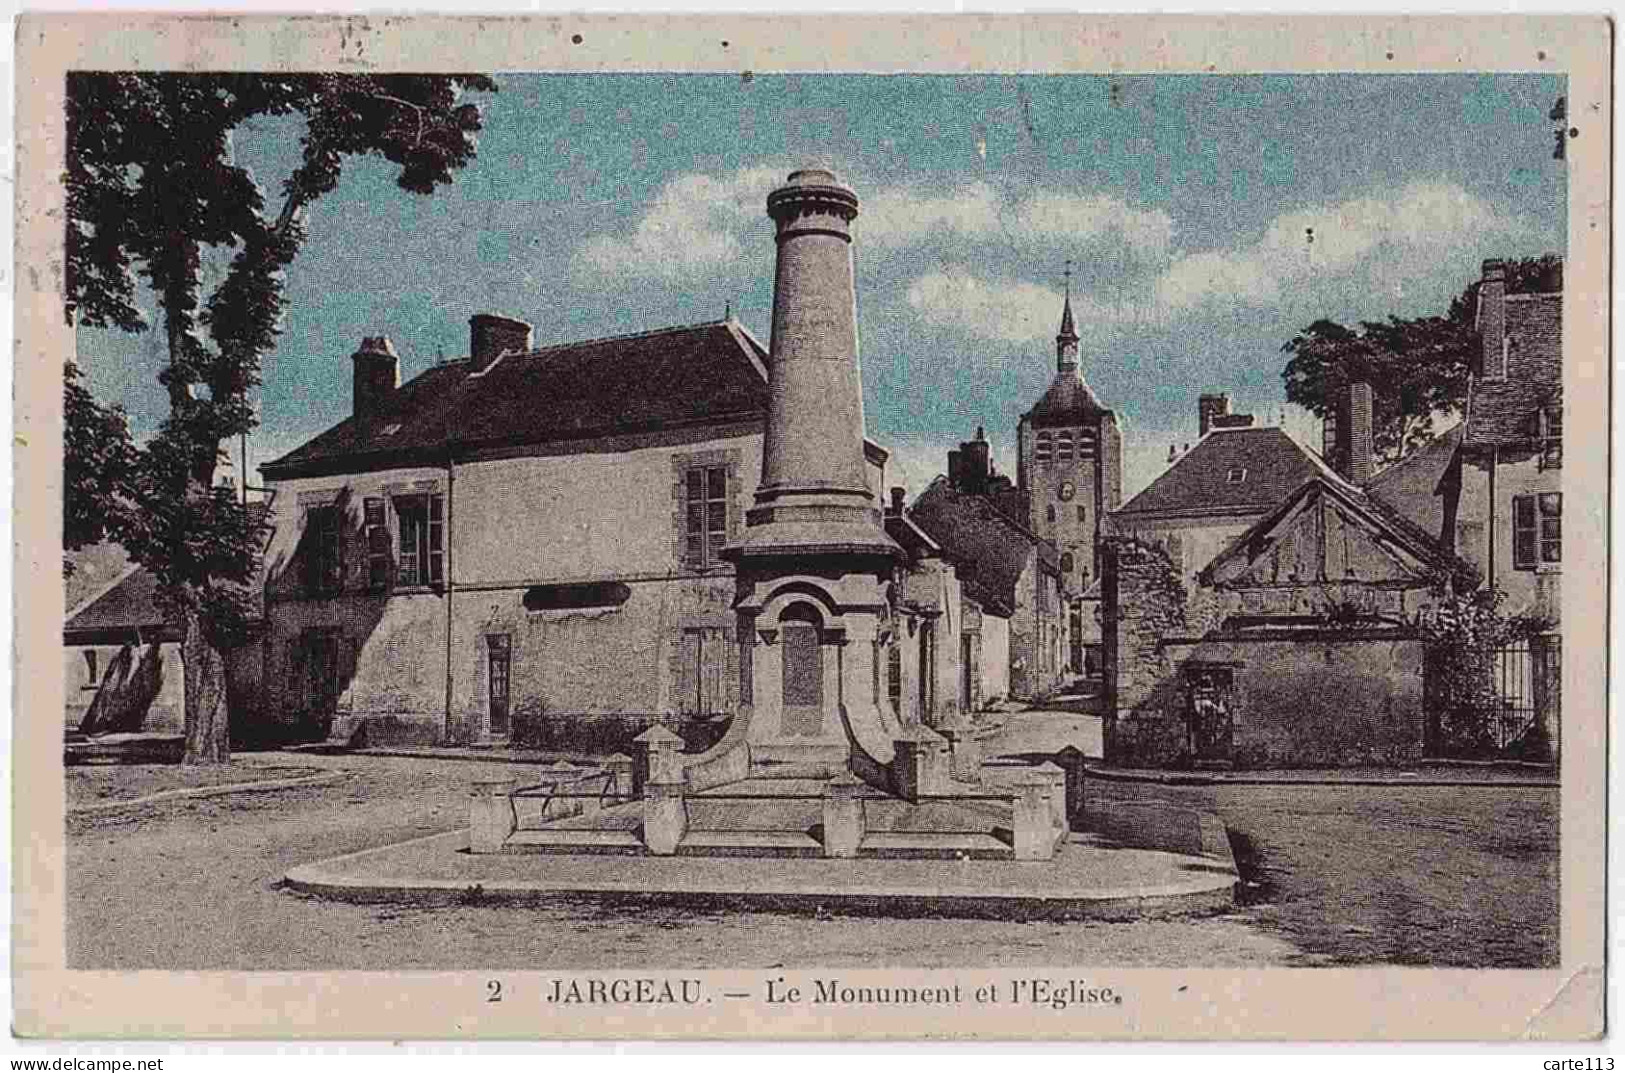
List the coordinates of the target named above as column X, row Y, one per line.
column 1502, row 410
column 1329, row 531
column 669, row 378
column 1269, row 463
column 1069, row 401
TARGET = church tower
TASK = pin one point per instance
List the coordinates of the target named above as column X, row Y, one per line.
column 1070, row 461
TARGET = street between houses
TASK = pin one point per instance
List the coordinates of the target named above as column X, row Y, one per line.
column 1341, row 875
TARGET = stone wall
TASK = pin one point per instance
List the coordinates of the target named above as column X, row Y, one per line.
column 1302, row 696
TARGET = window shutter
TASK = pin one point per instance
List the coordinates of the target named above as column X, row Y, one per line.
column 437, row 540
column 1523, row 532
column 377, row 536
column 694, row 505
column 687, row 684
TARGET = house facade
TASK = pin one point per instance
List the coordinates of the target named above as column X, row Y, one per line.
column 521, row 545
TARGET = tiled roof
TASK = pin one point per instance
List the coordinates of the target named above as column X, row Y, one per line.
column 1269, row 463
column 128, row 605
column 1411, row 485
column 128, row 599
column 987, row 549
column 630, row 383
column 1068, row 401
column 1502, row 410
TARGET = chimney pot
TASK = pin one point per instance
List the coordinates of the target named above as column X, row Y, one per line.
column 1208, row 409
column 897, row 494
column 375, row 374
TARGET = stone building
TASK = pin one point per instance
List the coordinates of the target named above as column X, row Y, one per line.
column 523, row 544
column 1011, row 574
column 1260, row 607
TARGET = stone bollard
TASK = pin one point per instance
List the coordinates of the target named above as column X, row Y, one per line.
column 921, row 763
column 1072, row 761
column 843, row 815
column 659, row 757
column 964, row 753
column 490, row 814
column 1057, row 797
column 665, row 816
column 1031, row 821
column 620, row 765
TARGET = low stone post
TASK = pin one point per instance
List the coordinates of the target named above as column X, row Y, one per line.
column 921, row 763
column 1072, row 761
column 844, row 820
column 665, row 816
column 658, row 757
column 964, row 754
column 620, row 766
column 1033, row 827
column 490, row 814
column 1057, row 797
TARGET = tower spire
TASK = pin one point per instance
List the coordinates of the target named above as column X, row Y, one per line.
column 1066, row 342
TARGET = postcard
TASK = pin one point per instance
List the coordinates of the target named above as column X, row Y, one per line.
column 984, row 527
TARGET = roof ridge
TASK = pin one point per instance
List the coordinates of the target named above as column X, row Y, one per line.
column 80, row 608
column 577, row 343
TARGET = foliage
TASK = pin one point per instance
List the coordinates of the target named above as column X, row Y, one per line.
column 1417, row 368
column 152, row 191
column 96, row 458
column 1461, row 635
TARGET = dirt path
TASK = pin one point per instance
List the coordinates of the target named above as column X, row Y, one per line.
column 191, row 884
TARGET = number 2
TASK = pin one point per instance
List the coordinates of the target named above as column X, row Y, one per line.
column 494, row 987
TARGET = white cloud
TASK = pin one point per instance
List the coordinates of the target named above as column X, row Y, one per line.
column 699, row 221
column 1406, row 235
column 696, row 222
column 897, row 217
column 1007, row 310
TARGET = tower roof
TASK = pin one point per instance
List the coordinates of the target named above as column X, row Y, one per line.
column 1069, row 401
column 1069, row 332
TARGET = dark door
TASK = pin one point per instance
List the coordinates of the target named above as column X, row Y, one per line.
column 967, row 668
column 500, row 657
column 1209, row 701
column 803, row 680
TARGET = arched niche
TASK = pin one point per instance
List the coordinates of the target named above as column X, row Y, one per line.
column 801, row 632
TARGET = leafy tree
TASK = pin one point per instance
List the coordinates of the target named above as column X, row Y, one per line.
column 152, row 194
column 1417, row 368
column 96, row 457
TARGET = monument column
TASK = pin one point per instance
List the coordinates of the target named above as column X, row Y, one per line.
column 814, row 557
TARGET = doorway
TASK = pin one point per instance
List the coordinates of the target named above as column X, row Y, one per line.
column 499, row 657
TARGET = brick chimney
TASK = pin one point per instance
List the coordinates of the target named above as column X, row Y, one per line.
column 375, row 376
column 490, row 335
column 1347, row 445
column 897, row 494
column 1492, row 289
column 1209, row 407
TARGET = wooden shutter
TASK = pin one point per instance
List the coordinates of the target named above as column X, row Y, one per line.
column 1523, row 532
column 437, row 539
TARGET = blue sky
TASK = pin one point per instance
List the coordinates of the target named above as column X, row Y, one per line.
column 603, row 204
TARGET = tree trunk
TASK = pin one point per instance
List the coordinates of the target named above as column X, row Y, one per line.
column 207, row 737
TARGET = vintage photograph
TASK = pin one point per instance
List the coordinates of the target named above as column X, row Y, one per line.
column 588, row 521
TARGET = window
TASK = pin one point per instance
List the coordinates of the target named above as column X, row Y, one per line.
column 324, row 570
column 1049, row 513
column 378, row 546
column 1537, row 530
column 1235, row 475
column 1044, row 448
column 1067, row 562
column 1083, row 515
column 91, row 677
column 423, row 534
column 1063, row 451
column 706, row 490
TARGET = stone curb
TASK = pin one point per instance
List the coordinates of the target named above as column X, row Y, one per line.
column 319, row 779
column 1217, row 894
column 1182, row 778
column 474, row 756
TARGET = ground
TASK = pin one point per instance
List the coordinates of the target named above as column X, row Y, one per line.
column 1349, row 875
